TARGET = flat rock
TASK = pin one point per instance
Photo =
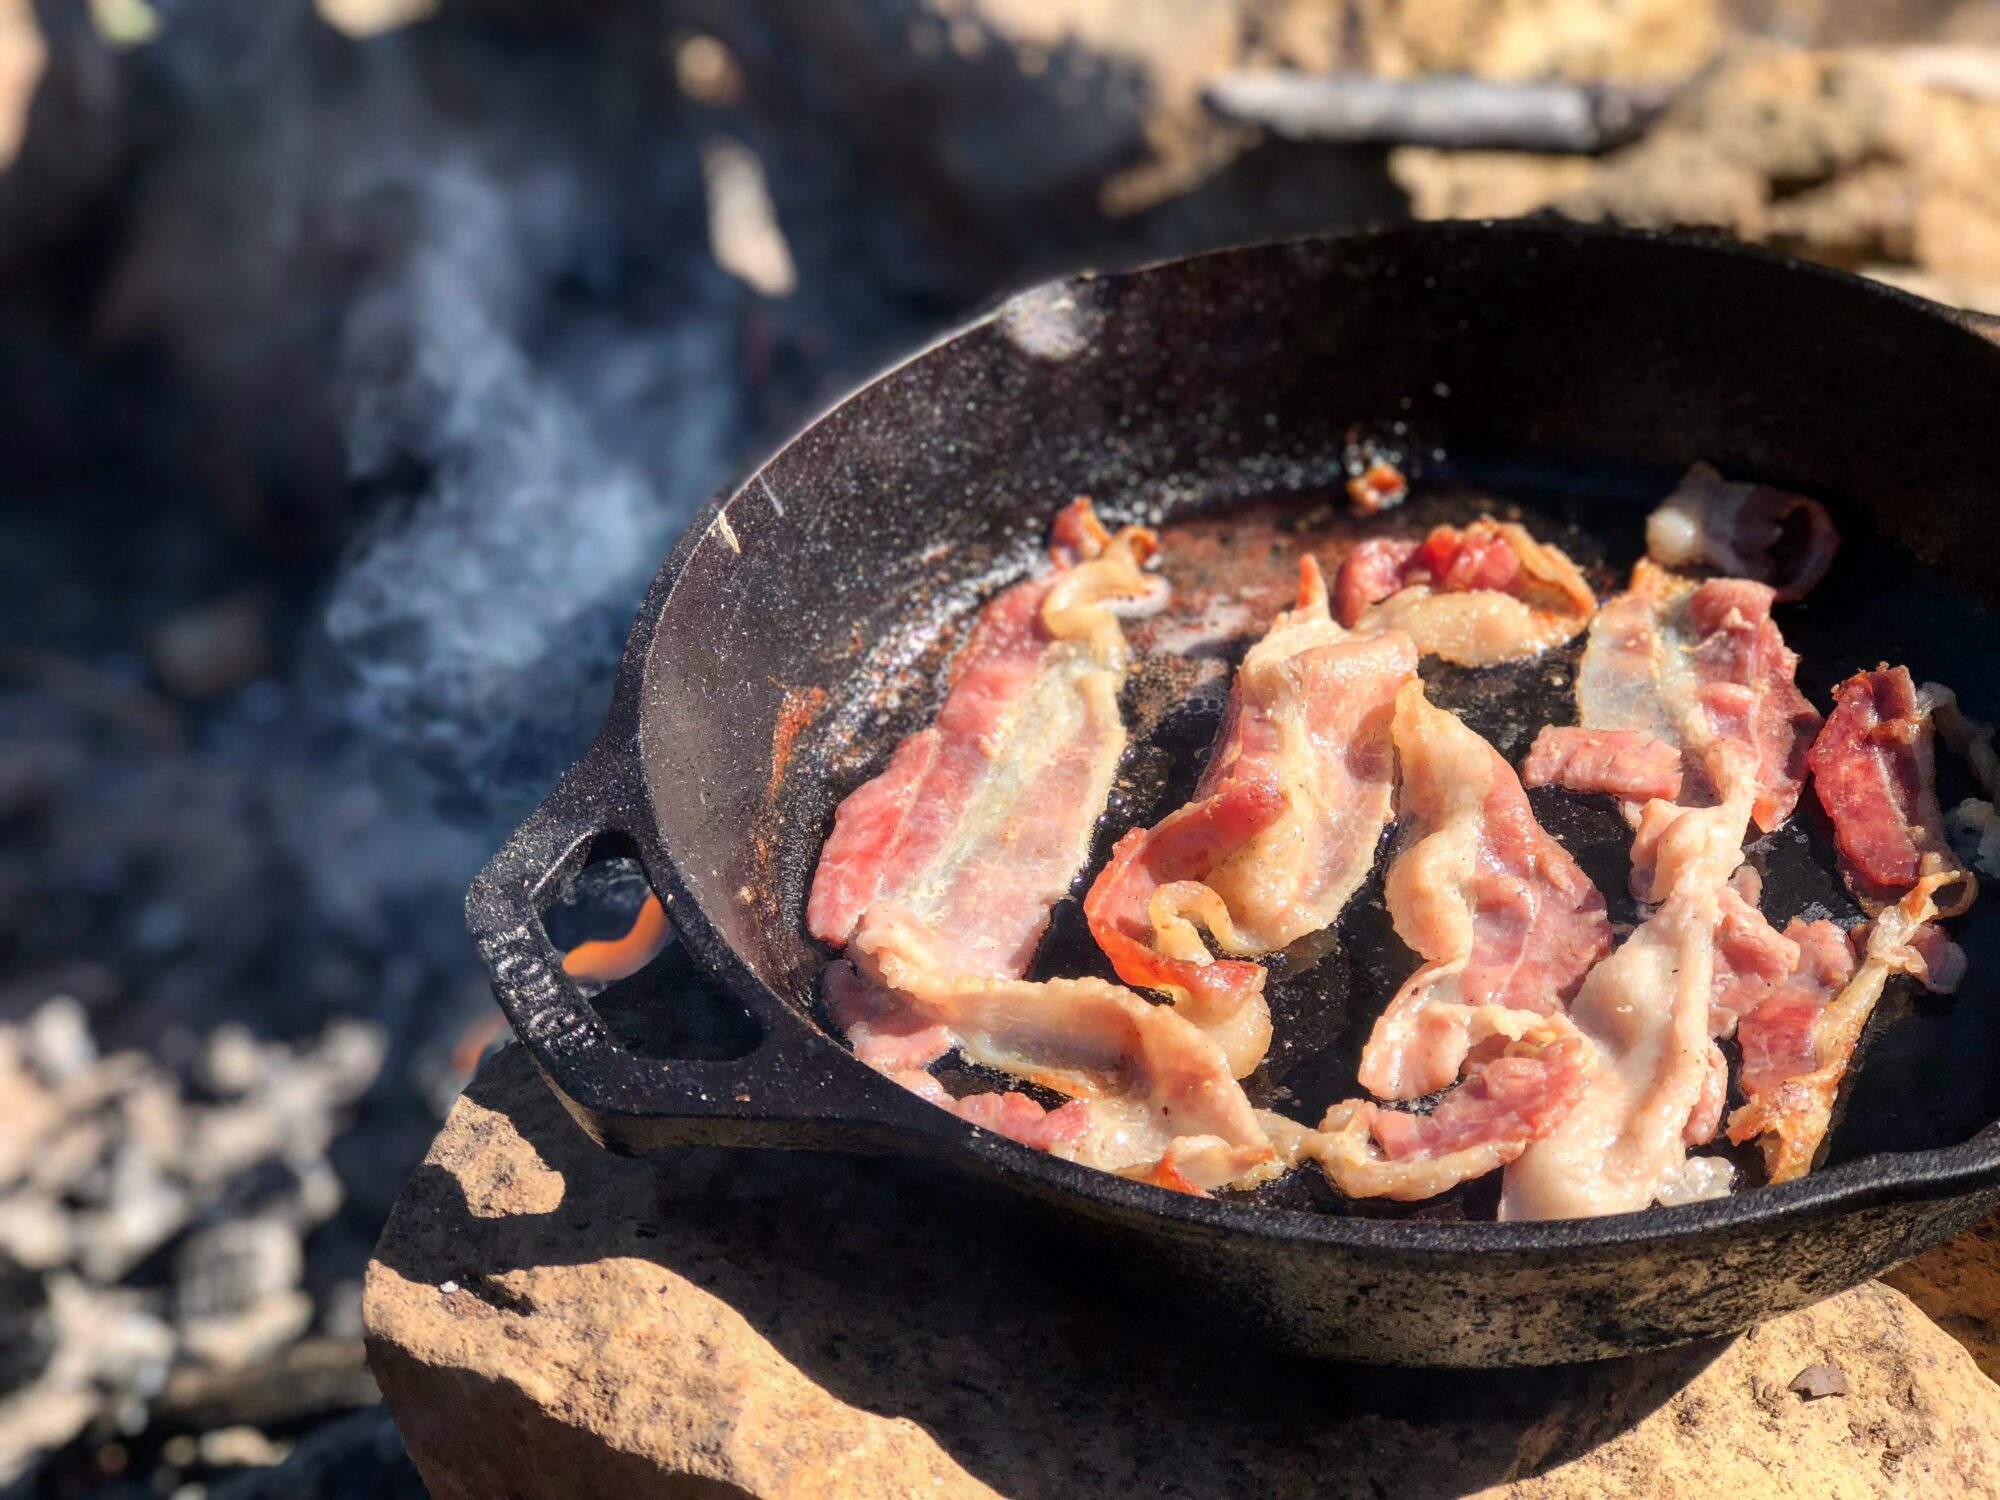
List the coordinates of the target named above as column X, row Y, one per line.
column 1877, row 158
column 1958, row 1285
column 546, row 1319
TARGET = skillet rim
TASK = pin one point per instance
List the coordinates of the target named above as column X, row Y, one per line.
column 1878, row 1179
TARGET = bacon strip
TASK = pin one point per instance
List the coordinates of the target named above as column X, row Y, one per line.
column 1776, row 1032
column 1150, row 1094
column 1874, row 771
column 1646, row 1011
column 1508, row 926
column 1619, row 761
column 1501, row 914
column 1702, row 668
column 1799, row 1076
column 1753, row 959
column 1282, row 828
column 1485, row 593
column 980, row 822
column 1505, row 1101
column 1746, row 530
column 940, row 875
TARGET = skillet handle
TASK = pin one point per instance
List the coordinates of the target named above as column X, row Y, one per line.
column 791, row 1090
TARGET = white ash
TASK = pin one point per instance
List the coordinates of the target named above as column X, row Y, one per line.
column 112, row 1164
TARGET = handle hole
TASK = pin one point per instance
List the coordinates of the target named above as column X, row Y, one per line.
column 620, row 949
column 606, row 921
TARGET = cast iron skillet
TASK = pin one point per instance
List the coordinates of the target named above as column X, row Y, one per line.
column 795, row 633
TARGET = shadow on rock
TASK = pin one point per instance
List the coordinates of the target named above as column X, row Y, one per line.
column 908, row 1291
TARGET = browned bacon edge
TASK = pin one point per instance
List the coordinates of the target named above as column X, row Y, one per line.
column 1706, row 666
column 1485, row 555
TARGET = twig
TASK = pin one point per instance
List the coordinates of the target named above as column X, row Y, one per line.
column 1451, row 111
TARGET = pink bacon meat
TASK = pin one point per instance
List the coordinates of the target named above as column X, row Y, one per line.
column 1874, row 772
column 940, row 875
column 1282, row 828
column 1501, row 914
column 1508, row 926
column 1624, row 763
column 1776, row 1032
column 1701, row 668
column 1475, row 595
column 1746, row 530
column 984, row 818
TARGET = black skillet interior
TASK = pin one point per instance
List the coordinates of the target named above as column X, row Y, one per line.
column 1564, row 374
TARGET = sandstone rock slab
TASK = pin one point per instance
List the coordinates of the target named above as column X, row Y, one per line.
column 1958, row 1286
column 546, row 1319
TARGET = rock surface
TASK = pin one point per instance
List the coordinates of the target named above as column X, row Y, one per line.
column 546, row 1319
column 1883, row 160
column 1958, row 1285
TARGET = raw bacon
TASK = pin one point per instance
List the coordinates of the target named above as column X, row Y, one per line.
column 1622, row 762
column 1146, row 1087
column 1752, row 959
column 1477, row 595
column 1646, row 1011
column 940, row 875
column 1282, row 828
column 1501, row 914
column 1508, row 926
column 1874, row 772
column 1504, row 1103
column 1704, row 668
column 1775, row 1032
column 1803, row 1060
column 1746, row 530
column 981, row 821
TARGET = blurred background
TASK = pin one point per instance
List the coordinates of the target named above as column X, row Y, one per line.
column 360, row 361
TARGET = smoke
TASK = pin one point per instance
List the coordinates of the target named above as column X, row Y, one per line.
column 449, row 296
column 468, row 317
column 536, row 488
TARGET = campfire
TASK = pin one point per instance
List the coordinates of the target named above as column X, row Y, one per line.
column 366, row 359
